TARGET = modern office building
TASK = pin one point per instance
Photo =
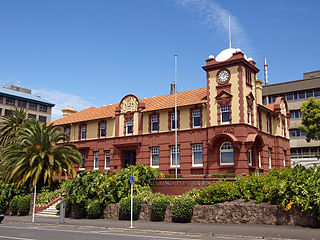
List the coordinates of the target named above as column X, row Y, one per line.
column 222, row 128
column 297, row 92
column 14, row 96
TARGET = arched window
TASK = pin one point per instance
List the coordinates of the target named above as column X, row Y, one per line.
column 226, row 154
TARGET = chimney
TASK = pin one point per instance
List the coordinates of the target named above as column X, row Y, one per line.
column 68, row 111
column 266, row 72
column 172, row 88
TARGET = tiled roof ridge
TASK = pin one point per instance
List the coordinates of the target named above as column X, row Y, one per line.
column 184, row 98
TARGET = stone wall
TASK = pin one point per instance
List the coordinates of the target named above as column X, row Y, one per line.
column 238, row 211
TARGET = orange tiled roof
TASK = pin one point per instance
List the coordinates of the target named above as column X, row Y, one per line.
column 190, row 97
column 270, row 107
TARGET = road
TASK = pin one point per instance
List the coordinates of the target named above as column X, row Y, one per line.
column 49, row 232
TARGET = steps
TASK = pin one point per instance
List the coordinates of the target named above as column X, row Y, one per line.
column 50, row 211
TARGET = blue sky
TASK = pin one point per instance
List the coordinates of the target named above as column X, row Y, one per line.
column 93, row 52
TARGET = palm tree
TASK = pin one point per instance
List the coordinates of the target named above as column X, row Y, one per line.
column 10, row 125
column 40, row 152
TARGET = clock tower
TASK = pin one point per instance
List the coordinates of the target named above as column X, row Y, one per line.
column 231, row 88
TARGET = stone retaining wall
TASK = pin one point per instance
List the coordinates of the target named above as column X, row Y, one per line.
column 238, row 211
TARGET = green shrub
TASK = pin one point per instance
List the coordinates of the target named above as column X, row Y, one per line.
column 182, row 209
column 125, row 207
column 94, row 208
column 79, row 210
column 158, row 208
column 14, row 205
column 23, row 205
column 58, row 206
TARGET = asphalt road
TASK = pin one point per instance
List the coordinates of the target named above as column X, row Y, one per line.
column 49, row 232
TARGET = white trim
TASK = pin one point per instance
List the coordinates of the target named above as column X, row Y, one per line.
column 129, row 134
column 85, row 132
column 105, row 158
column 250, row 157
column 270, row 158
column 94, row 160
column 105, row 130
column 152, row 131
column 81, row 169
column 175, row 121
column 179, row 152
column 193, row 164
column 284, row 158
column 259, row 159
column 226, row 150
column 154, row 166
column 193, row 126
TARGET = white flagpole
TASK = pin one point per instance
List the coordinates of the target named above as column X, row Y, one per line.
column 229, row 33
column 175, row 114
column 34, row 202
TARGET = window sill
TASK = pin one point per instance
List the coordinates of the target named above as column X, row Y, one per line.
column 197, row 167
column 82, row 169
column 108, row 168
column 154, row 166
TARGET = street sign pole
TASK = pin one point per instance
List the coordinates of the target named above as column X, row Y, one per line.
column 131, row 182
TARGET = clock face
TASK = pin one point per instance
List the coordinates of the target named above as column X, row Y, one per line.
column 223, row 76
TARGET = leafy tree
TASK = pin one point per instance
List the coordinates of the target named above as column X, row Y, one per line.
column 10, row 125
column 36, row 155
column 311, row 119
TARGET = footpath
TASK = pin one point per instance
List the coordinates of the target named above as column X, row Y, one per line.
column 258, row 231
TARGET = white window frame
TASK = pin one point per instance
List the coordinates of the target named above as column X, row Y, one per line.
column 153, row 118
column 128, row 125
column 154, row 151
column 83, row 155
column 106, row 153
column 284, row 158
column 270, row 158
column 173, row 121
column 259, row 159
column 83, row 127
column 196, row 114
column 197, row 148
column 105, row 130
column 178, row 155
column 224, row 108
column 249, row 115
column 250, row 157
column 95, row 154
column 226, row 150
column 283, row 128
column 269, row 125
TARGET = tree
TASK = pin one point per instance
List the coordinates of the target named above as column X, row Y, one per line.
column 40, row 152
column 10, row 125
column 311, row 119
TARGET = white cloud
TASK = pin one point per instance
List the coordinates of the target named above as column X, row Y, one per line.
column 217, row 18
column 61, row 100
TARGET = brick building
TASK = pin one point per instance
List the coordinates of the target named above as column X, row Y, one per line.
column 223, row 127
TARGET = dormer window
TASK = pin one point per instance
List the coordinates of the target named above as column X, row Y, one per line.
column 196, row 117
column 102, row 130
column 173, row 122
column 155, row 123
column 83, row 132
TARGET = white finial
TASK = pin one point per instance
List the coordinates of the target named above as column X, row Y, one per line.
column 229, row 33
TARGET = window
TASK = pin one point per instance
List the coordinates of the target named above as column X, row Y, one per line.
column 250, row 157
column 32, row 106
column 42, row 119
column 43, row 108
column 259, row 159
column 302, row 95
column 67, row 131
column 22, row 104
column 269, row 124
column 265, row 100
column 33, row 116
column 296, row 133
column 249, row 115
column 197, row 155
column 225, row 114
column 283, row 128
column 102, row 130
column 284, row 158
column 289, row 96
column 8, row 112
column 10, row 101
column 83, row 161
column 309, row 93
column 173, row 156
column 83, row 132
column 1, row 99
column 154, row 123
column 129, row 127
column 173, row 122
column 155, row 160
column 96, row 160
column 269, row 157
column 295, row 96
column 226, row 154
column 259, row 120
column 196, row 117
column 248, row 77
column 107, row 160
column 0, row 111
column 316, row 93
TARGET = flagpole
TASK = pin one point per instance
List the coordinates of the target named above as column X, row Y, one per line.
column 175, row 114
